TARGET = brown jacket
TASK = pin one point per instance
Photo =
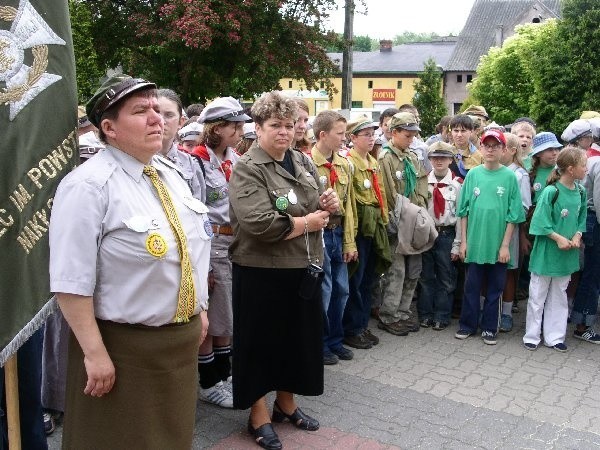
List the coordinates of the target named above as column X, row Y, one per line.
column 262, row 208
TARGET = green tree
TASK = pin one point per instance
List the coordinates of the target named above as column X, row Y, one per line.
column 88, row 67
column 207, row 48
column 410, row 36
column 428, row 97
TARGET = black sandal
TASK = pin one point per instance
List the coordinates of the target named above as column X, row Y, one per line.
column 265, row 436
column 297, row 418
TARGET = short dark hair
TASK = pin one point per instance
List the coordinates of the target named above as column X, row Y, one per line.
column 194, row 109
column 462, row 120
column 389, row 112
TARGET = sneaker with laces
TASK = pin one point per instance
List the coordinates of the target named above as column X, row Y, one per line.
column 343, row 353
column 506, row 323
column 217, row 395
column 462, row 334
column 228, row 384
column 588, row 335
column 530, row 346
column 358, row 341
column 489, row 337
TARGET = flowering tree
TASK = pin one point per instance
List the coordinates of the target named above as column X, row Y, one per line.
column 207, row 48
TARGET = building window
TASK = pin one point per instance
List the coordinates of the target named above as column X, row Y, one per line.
column 399, row 84
column 370, row 84
column 459, row 78
column 322, row 84
column 357, row 104
column 469, row 78
column 456, row 108
column 290, row 84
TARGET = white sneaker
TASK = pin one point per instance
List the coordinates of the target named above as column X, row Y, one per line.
column 228, row 384
column 217, row 395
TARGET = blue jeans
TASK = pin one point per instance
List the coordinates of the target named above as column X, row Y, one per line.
column 335, row 289
column 495, row 276
column 358, row 309
column 29, row 367
column 585, row 305
column 438, row 280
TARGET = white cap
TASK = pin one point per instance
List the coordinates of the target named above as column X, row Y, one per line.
column 190, row 132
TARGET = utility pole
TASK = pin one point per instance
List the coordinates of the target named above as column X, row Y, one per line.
column 348, row 55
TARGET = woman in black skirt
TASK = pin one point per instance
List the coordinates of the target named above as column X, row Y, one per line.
column 277, row 214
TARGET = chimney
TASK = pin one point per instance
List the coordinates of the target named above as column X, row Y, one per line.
column 499, row 35
column 385, row 45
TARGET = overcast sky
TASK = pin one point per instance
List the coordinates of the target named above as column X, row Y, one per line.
column 387, row 18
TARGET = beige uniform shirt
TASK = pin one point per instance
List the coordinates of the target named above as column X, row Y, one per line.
column 264, row 197
column 102, row 215
column 362, row 182
column 344, row 191
column 392, row 165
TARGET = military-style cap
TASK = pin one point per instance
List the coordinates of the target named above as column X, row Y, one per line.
column 250, row 130
column 475, row 110
column 589, row 114
column 404, row 120
column 595, row 125
column 89, row 145
column 82, row 118
column 223, row 108
column 543, row 141
column 528, row 120
column 495, row 134
column 190, row 132
column 360, row 123
column 112, row 90
column 441, row 148
column 494, row 126
column 576, row 129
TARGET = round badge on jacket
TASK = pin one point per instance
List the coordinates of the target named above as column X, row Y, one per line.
column 156, row 245
column 281, row 203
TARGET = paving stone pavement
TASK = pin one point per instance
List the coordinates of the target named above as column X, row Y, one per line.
column 430, row 390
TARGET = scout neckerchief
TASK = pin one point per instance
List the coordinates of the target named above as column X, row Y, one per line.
column 186, row 303
column 202, row 152
column 333, row 176
column 592, row 152
column 410, row 175
column 439, row 202
column 375, row 183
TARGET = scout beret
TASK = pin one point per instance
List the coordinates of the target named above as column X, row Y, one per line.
column 112, row 90
column 360, row 123
column 223, row 108
column 404, row 120
column 543, row 141
column 576, row 129
column 441, row 148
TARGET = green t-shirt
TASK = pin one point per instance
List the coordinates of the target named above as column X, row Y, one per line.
column 527, row 163
column 539, row 183
column 490, row 199
column 566, row 217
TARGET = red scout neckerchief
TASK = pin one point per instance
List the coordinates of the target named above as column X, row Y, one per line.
column 333, row 176
column 592, row 152
column 439, row 203
column 202, row 152
column 376, row 189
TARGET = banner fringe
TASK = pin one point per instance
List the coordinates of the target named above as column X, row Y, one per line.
column 22, row 336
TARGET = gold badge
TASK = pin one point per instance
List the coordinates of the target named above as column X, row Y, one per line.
column 156, row 245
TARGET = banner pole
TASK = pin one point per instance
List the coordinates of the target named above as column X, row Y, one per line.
column 12, row 403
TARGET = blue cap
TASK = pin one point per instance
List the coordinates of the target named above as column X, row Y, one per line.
column 543, row 141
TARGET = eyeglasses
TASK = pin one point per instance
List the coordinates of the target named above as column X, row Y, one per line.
column 496, row 146
column 367, row 135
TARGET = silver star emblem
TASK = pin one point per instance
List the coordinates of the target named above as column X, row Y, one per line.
column 28, row 31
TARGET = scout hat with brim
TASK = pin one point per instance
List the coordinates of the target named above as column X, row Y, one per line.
column 250, row 130
column 223, row 108
column 405, row 121
column 475, row 110
column 543, row 141
column 360, row 123
column 113, row 90
column 441, row 148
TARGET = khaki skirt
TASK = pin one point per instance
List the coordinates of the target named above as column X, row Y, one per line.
column 152, row 404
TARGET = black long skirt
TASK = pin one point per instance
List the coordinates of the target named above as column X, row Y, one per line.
column 277, row 336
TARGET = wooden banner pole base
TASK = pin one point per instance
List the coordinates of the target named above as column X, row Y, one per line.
column 12, row 403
